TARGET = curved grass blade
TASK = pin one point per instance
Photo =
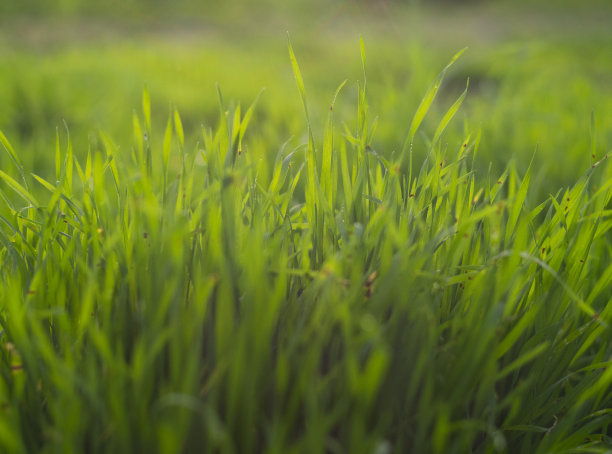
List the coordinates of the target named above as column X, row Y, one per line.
column 450, row 114
column 11, row 151
column 20, row 190
column 428, row 99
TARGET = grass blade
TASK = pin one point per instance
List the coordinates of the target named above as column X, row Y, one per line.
column 20, row 190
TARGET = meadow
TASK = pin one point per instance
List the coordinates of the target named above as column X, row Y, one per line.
column 357, row 236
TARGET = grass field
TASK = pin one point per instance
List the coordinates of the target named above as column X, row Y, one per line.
column 217, row 239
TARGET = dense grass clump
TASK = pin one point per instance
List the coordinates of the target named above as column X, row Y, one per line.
column 175, row 297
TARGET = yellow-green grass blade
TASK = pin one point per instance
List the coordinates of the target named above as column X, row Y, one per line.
column 20, row 190
column 450, row 114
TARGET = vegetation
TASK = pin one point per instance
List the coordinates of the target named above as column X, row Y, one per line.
column 235, row 290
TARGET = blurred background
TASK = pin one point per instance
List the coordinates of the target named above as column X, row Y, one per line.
column 539, row 71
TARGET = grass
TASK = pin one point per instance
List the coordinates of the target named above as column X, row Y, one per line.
column 179, row 296
column 533, row 82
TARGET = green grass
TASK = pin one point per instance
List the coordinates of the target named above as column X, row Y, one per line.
column 189, row 291
column 533, row 83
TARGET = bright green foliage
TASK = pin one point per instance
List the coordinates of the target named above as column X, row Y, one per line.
column 199, row 298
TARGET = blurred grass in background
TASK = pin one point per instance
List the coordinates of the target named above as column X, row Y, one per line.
column 538, row 70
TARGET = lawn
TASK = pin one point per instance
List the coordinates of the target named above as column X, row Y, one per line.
column 307, row 228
